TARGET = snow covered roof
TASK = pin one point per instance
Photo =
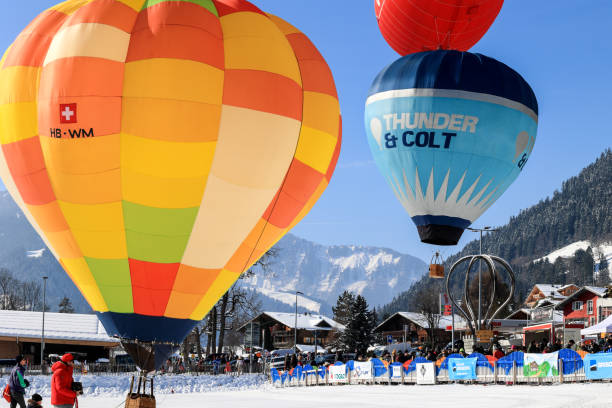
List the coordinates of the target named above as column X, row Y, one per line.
column 58, row 326
column 596, row 290
column 304, row 321
column 419, row 319
column 551, row 291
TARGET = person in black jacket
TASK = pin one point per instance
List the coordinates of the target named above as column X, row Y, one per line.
column 35, row 401
column 17, row 383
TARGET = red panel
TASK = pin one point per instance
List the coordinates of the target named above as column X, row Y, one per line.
column 299, row 185
column 225, row 7
column 161, row 15
column 336, row 155
column 151, row 286
column 263, row 91
column 420, row 25
column 176, row 41
column 35, row 188
column 316, row 75
column 30, row 48
column 109, row 12
column 24, row 157
column 81, row 76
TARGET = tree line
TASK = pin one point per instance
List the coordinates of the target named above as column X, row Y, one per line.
column 25, row 295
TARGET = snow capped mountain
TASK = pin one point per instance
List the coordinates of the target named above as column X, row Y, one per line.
column 324, row 272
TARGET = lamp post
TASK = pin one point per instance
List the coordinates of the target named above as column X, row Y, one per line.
column 480, row 230
column 295, row 327
column 42, row 333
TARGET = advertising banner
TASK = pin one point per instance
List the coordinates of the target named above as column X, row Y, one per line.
column 396, row 371
column 462, row 368
column 598, row 366
column 337, row 373
column 541, row 365
column 426, row 373
column 362, row 370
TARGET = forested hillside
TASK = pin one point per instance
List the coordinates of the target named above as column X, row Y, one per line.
column 580, row 211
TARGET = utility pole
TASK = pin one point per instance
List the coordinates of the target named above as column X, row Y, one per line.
column 480, row 230
column 42, row 332
column 295, row 328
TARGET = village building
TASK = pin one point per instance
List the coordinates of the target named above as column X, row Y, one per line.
column 586, row 306
column 543, row 293
column 413, row 327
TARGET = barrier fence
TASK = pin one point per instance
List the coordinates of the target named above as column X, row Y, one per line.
column 564, row 366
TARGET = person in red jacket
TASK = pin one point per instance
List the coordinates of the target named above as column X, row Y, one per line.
column 62, row 395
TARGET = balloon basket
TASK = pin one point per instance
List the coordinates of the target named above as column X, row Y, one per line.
column 436, row 267
column 138, row 397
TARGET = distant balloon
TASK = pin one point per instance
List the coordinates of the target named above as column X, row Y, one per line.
column 424, row 25
column 456, row 129
column 161, row 147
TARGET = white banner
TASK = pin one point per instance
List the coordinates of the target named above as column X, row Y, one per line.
column 426, row 373
column 396, row 371
column 337, row 373
column 541, row 365
column 362, row 370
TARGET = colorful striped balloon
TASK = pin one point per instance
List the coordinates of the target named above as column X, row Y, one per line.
column 160, row 147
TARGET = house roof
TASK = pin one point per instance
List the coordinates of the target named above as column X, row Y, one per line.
column 304, row 321
column 58, row 326
column 551, row 291
column 524, row 310
column 596, row 290
column 419, row 320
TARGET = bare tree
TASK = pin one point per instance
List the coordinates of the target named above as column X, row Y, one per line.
column 428, row 306
column 7, row 288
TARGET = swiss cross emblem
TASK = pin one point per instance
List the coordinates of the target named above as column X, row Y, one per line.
column 68, row 113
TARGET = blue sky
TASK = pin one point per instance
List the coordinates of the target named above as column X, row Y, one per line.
column 562, row 48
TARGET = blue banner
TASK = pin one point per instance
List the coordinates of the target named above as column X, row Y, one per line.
column 462, row 368
column 598, row 366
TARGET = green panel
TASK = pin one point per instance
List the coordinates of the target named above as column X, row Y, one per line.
column 159, row 221
column 114, row 281
column 207, row 4
column 155, row 248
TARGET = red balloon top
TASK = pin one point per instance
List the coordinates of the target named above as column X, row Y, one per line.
column 423, row 25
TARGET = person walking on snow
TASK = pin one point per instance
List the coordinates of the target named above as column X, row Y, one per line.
column 17, row 383
column 62, row 395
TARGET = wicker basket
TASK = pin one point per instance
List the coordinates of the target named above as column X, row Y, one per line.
column 139, row 401
column 436, row 271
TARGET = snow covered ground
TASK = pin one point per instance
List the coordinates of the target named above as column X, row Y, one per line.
column 254, row 392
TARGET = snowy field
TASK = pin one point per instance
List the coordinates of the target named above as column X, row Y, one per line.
column 254, row 392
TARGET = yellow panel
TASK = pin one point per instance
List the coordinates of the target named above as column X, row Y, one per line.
column 82, row 156
column 89, row 40
column 166, row 159
column 79, row 272
column 191, row 121
column 101, row 244
column 321, row 112
column 135, row 4
column 217, row 289
column 316, row 148
column 18, row 121
column 70, row 6
column 64, row 244
column 96, row 188
column 255, row 148
column 284, row 26
column 253, row 41
column 97, row 217
column 19, row 84
column 183, row 80
column 162, row 192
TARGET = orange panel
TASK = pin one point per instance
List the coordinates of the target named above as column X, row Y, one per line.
column 96, row 188
column 81, row 76
column 194, row 280
column 30, row 48
column 49, row 217
column 177, row 42
column 64, row 244
column 24, row 157
column 316, row 75
column 35, row 188
column 181, row 305
column 161, row 15
column 263, row 91
column 336, row 155
column 109, row 12
column 102, row 114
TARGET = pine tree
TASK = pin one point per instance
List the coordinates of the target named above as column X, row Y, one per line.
column 603, row 273
column 359, row 332
column 344, row 305
column 65, row 306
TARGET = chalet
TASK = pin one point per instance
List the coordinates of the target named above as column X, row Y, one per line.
column 414, row 326
column 586, row 306
column 542, row 294
column 20, row 333
column 276, row 330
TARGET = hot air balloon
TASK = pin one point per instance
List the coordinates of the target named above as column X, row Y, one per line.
column 161, row 147
column 450, row 131
column 424, row 25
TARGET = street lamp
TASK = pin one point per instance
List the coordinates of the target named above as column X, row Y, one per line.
column 480, row 230
column 295, row 327
column 42, row 333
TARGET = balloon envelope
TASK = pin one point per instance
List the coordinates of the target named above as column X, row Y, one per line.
column 424, row 25
column 450, row 131
column 161, row 147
